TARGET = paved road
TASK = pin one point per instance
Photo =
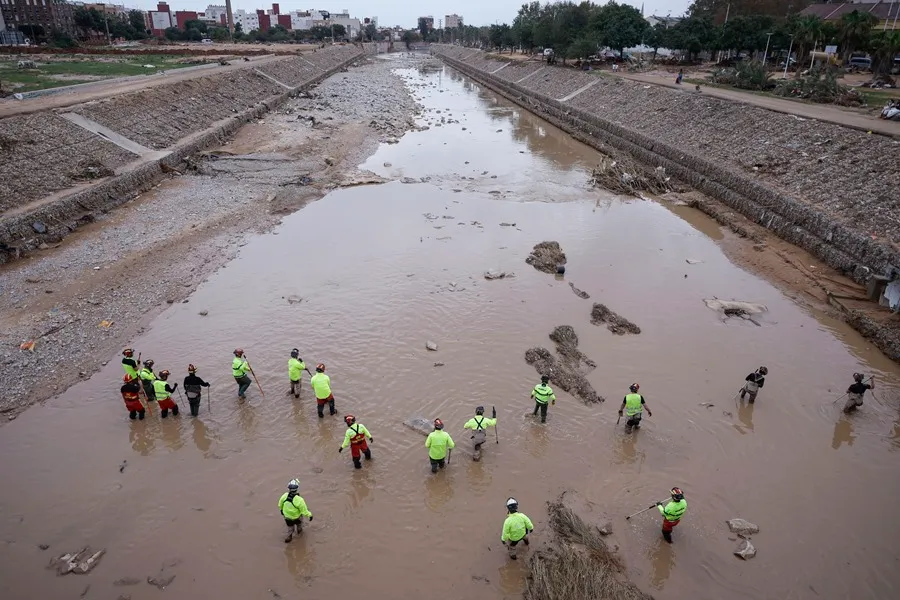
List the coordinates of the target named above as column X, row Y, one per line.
column 820, row 112
column 121, row 85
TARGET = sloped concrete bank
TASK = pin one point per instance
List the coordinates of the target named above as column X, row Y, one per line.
column 836, row 241
column 173, row 122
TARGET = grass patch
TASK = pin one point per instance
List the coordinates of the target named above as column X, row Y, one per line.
column 92, row 69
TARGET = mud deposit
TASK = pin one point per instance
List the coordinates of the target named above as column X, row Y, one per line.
column 619, row 325
column 376, row 280
column 546, row 257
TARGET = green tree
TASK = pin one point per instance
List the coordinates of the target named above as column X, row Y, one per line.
column 524, row 24
column 500, row 36
column 885, row 46
column 693, row 35
column 410, row 37
column 136, row 20
column 219, row 34
column 372, row 33
column 582, row 48
column 619, row 26
column 807, row 31
column 423, row 27
column 856, row 31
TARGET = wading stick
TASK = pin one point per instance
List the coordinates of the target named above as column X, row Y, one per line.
column 255, row 378
column 652, row 506
column 496, row 434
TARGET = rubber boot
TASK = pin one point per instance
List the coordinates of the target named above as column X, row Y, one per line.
column 476, row 455
column 132, row 415
column 667, row 535
column 164, row 413
column 434, row 467
column 289, row 537
column 141, row 415
column 320, row 409
column 357, row 463
column 368, row 454
column 331, row 409
column 175, row 411
column 743, row 392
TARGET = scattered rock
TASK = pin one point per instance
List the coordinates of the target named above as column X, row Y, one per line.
column 294, row 299
column 126, row 581
column 615, row 323
column 161, row 581
column 546, row 257
column 170, row 301
column 497, row 274
column 579, row 293
column 39, row 227
column 429, row 345
column 742, row 528
column 43, row 546
column 409, row 180
column 387, row 165
column 605, row 528
column 79, row 562
column 745, row 550
column 507, row 224
column 692, row 261
column 329, row 161
column 439, row 364
column 735, row 307
column 203, row 313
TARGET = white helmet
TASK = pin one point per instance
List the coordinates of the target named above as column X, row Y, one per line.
column 294, row 485
column 512, row 504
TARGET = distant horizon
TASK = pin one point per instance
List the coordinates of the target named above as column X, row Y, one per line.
column 391, row 13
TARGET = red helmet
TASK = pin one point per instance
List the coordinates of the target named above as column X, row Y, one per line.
column 192, row 369
column 320, row 368
column 238, row 351
column 438, row 424
column 128, row 378
column 128, row 351
column 350, row 419
column 634, row 387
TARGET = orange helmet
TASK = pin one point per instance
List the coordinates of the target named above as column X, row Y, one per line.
column 350, row 419
column 192, row 369
column 438, row 424
column 128, row 378
column 128, row 351
column 238, row 351
column 320, row 368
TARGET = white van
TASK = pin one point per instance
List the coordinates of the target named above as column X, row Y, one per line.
column 206, row 41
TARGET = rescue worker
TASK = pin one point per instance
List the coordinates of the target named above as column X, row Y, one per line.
column 131, row 390
column 634, row 404
column 239, row 368
column 542, row 394
column 129, row 363
column 754, row 382
column 193, row 390
column 516, row 528
column 672, row 512
column 147, row 379
column 164, row 394
column 438, row 443
column 296, row 366
column 321, row 384
column 293, row 509
column 356, row 438
column 479, row 424
column 855, row 392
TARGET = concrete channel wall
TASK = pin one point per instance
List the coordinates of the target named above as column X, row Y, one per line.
column 44, row 155
column 837, row 240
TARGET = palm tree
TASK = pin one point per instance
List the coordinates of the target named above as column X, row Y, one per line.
column 885, row 46
column 856, row 30
column 807, row 31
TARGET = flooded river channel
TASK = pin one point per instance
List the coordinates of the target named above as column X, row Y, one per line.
column 380, row 270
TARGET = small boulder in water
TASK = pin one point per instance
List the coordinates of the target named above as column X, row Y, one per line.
column 429, row 345
column 745, row 550
column 742, row 528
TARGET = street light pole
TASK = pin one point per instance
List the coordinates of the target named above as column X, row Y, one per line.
column 787, row 61
column 766, row 53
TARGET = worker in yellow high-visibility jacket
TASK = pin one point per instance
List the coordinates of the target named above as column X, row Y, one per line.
column 516, row 527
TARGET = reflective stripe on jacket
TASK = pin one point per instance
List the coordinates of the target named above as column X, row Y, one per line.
column 515, row 527
column 633, row 404
column 673, row 511
column 160, row 391
column 543, row 393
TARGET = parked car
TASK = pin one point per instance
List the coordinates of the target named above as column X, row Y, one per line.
column 859, row 63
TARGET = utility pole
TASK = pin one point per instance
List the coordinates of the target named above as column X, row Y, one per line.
column 229, row 20
column 766, row 53
column 106, row 23
column 787, row 61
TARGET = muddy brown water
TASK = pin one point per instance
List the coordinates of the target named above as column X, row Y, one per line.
column 376, row 277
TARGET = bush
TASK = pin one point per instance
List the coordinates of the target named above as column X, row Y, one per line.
column 745, row 75
column 819, row 85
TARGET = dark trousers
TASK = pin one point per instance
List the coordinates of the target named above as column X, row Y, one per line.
column 543, row 408
column 633, row 421
column 320, row 407
column 165, row 412
column 435, row 464
column 136, row 414
column 295, row 388
column 195, row 405
column 243, row 383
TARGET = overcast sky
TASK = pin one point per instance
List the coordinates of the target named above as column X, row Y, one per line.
column 397, row 12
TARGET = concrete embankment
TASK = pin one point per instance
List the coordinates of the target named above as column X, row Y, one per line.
column 828, row 189
column 59, row 166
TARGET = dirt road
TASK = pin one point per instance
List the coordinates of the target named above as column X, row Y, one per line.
column 359, row 280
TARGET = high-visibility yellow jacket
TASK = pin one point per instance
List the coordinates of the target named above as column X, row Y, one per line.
column 515, row 527
column 438, row 442
column 673, row 510
column 478, row 423
column 293, row 509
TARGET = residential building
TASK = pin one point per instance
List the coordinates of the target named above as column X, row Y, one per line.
column 429, row 22
column 886, row 11
column 38, row 18
column 452, row 21
column 248, row 21
column 216, row 16
column 109, row 9
column 183, row 16
column 161, row 19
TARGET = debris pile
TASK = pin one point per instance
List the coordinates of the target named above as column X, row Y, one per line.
column 624, row 176
column 581, row 294
column 744, row 529
column 577, row 565
column 566, row 372
column 617, row 324
column 546, row 257
column 80, row 562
